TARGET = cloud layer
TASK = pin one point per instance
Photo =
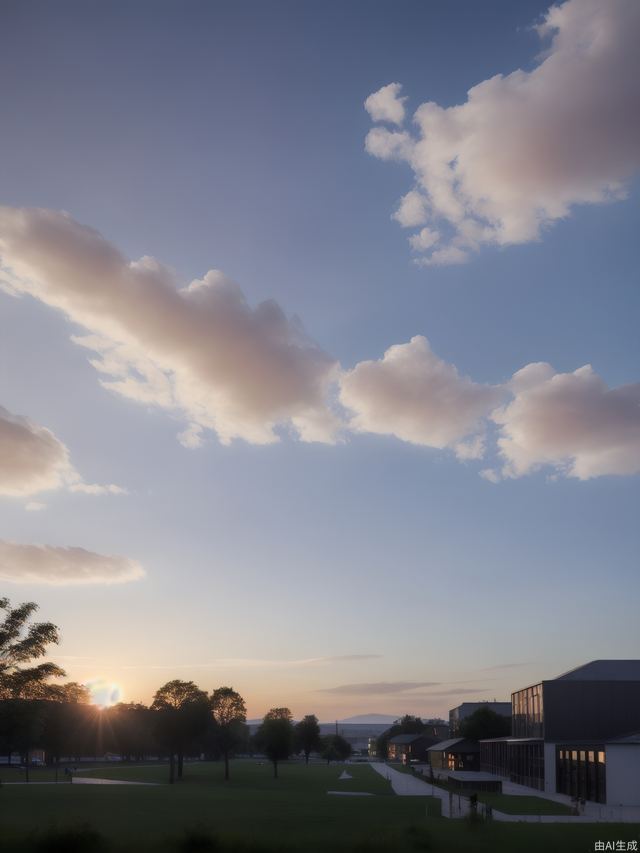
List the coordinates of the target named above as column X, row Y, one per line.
column 526, row 147
column 414, row 395
column 201, row 350
column 56, row 566
column 570, row 421
column 243, row 372
column 33, row 460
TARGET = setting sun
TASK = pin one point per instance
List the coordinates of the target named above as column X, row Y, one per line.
column 103, row 693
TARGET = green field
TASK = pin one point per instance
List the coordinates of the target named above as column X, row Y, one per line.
column 506, row 803
column 255, row 812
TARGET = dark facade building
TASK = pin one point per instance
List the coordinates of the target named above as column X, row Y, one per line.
column 407, row 748
column 575, row 735
column 455, row 754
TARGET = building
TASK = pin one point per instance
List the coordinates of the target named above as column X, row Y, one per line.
column 578, row 734
column 456, row 715
column 408, row 748
column 455, row 754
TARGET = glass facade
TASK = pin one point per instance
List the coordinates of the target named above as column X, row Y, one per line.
column 527, row 711
column 581, row 772
column 520, row 761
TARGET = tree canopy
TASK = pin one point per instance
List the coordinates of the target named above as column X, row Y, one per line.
column 20, row 644
column 307, row 736
column 229, row 715
column 275, row 736
column 485, row 723
column 182, row 715
column 335, row 748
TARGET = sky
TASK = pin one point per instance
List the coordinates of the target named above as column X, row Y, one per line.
column 319, row 363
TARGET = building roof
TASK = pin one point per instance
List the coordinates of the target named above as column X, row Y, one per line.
column 633, row 739
column 405, row 738
column 445, row 745
column 604, row 670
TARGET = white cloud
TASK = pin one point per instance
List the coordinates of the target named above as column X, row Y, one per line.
column 388, row 144
column 33, row 460
column 412, row 210
column 201, row 351
column 414, row 395
column 53, row 565
column 424, row 240
column 386, row 105
column 525, row 148
column 34, row 506
column 570, row 421
column 96, row 489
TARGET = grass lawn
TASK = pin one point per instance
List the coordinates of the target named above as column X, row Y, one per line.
column 292, row 813
column 510, row 804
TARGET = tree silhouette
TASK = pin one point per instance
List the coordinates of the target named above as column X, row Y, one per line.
column 275, row 736
column 182, row 714
column 229, row 714
column 20, row 644
column 307, row 736
column 335, row 748
column 485, row 723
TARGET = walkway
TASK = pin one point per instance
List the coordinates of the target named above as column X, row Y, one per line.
column 407, row 785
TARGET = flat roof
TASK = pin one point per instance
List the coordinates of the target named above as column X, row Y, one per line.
column 473, row 776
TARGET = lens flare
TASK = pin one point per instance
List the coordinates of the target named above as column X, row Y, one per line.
column 103, row 693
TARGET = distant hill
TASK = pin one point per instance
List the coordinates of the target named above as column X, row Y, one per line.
column 369, row 719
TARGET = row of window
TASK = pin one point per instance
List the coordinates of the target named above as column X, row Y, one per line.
column 581, row 773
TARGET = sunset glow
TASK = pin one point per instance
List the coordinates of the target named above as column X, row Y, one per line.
column 103, row 693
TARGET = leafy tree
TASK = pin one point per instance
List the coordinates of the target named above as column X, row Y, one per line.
column 485, row 723
column 275, row 736
column 20, row 644
column 229, row 714
column 307, row 736
column 131, row 728
column 21, row 725
column 335, row 748
column 182, row 714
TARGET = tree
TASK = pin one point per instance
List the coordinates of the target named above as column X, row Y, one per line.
column 182, row 714
column 275, row 736
column 20, row 644
column 485, row 723
column 229, row 714
column 307, row 736
column 335, row 748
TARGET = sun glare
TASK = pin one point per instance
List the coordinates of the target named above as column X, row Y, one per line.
column 103, row 693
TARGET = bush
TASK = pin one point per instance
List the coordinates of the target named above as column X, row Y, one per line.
column 81, row 839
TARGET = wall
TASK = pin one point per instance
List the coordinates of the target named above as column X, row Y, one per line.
column 623, row 774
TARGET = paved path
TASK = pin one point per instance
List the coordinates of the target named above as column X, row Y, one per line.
column 407, row 785
column 411, row 786
column 92, row 780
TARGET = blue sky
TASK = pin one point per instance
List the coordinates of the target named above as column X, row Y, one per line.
column 232, row 136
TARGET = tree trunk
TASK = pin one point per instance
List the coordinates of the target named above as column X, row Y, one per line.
column 226, row 766
column 172, row 768
column 275, row 769
column 180, row 763
column 306, row 758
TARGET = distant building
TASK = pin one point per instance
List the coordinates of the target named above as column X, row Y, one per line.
column 456, row 715
column 578, row 734
column 408, row 748
column 455, row 754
